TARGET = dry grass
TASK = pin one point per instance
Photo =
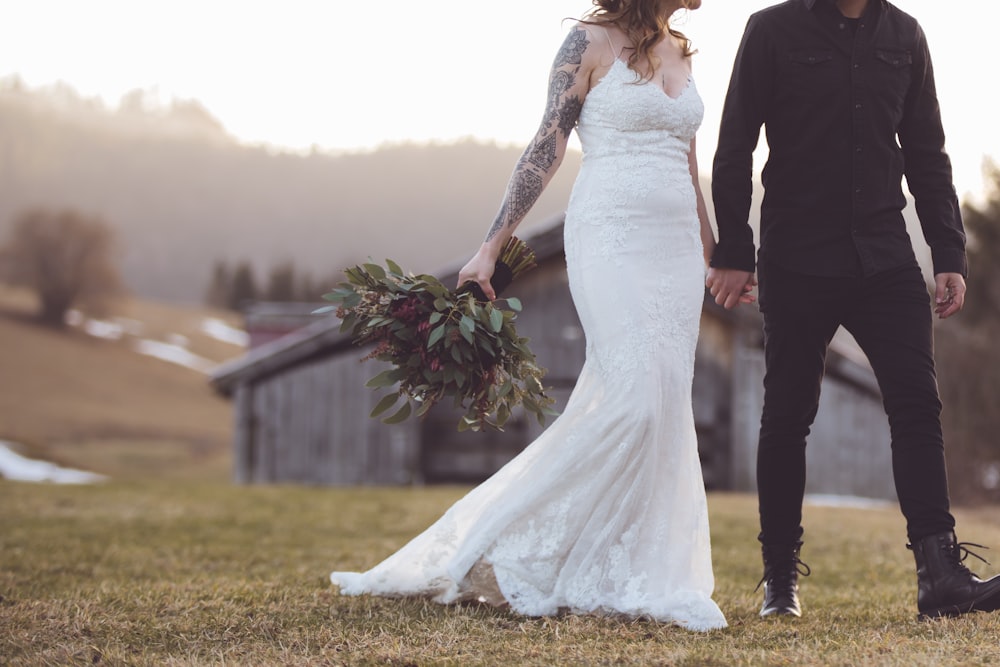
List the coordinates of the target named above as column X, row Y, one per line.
column 200, row 573
column 98, row 405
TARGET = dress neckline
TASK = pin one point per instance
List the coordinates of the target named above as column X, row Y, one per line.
column 683, row 91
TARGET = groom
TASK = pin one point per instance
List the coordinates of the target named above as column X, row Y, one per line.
column 836, row 84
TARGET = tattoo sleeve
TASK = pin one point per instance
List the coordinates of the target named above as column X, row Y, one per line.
column 540, row 159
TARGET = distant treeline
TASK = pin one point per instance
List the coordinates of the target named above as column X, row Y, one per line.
column 181, row 193
column 235, row 285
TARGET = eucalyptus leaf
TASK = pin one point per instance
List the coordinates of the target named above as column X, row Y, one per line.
column 496, row 320
column 466, row 334
column 375, row 271
column 400, row 415
column 423, row 408
column 387, row 402
column 383, row 379
column 436, row 335
column 514, row 303
column 394, row 267
column 437, row 290
column 505, row 388
column 503, row 414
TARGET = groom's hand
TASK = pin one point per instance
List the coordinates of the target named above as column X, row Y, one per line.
column 949, row 294
column 730, row 287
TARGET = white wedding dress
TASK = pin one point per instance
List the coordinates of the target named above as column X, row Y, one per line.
column 604, row 513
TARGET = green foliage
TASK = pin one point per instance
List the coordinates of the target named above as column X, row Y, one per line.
column 442, row 344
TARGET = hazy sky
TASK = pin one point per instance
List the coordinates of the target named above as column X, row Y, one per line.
column 347, row 75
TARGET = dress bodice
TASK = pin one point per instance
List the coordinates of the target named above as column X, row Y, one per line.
column 624, row 114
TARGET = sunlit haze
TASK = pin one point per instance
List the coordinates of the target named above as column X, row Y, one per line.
column 353, row 75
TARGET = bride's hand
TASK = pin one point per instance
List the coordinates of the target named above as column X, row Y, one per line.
column 479, row 270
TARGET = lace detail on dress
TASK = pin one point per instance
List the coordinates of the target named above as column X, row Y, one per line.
column 605, row 512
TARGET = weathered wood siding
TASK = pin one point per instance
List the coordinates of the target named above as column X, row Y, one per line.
column 310, row 424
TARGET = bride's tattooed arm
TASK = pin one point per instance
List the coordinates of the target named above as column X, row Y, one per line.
column 568, row 85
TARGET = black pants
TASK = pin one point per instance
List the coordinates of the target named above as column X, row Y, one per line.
column 889, row 315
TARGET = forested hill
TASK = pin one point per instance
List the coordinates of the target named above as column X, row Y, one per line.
column 183, row 194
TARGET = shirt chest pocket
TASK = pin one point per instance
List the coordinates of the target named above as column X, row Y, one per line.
column 810, row 74
column 892, row 71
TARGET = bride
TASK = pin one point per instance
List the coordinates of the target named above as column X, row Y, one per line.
column 604, row 513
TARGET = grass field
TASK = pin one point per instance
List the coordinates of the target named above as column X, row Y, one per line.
column 181, row 573
column 170, row 564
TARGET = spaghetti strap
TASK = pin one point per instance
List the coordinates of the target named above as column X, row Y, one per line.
column 610, row 43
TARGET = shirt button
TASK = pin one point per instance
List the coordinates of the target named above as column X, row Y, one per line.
column 858, row 106
column 857, row 149
column 857, row 191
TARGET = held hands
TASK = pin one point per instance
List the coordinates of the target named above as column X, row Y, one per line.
column 949, row 294
column 479, row 269
column 731, row 287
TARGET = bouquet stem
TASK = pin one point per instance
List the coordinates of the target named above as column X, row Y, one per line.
column 515, row 258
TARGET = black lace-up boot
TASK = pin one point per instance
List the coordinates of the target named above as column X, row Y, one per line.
column 945, row 587
column 782, row 568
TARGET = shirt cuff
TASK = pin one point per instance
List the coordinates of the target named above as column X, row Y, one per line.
column 950, row 260
column 741, row 257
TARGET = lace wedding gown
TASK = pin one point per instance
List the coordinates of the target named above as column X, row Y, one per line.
column 605, row 512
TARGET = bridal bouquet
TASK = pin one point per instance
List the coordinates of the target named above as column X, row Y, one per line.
column 443, row 343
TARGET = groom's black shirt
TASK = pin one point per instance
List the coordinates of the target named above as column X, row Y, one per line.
column 847, row 113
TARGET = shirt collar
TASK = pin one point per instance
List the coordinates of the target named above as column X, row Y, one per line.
column 812, row 3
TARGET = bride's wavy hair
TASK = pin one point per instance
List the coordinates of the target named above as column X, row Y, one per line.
column 643, row 23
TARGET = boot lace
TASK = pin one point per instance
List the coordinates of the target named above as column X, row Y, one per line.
column 781, row 575
column 958, row 551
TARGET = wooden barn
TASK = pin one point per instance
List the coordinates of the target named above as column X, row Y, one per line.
column 301, row 406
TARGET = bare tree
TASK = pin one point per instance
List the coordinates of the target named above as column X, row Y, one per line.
column 66, row 257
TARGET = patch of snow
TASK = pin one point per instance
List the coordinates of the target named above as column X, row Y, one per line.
column 109, row 330
column 130, row 326
column 219, row 330
column 174, row 354
column 180, row 340
column 855, row 502
column 103, row 329
column 13, row 466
